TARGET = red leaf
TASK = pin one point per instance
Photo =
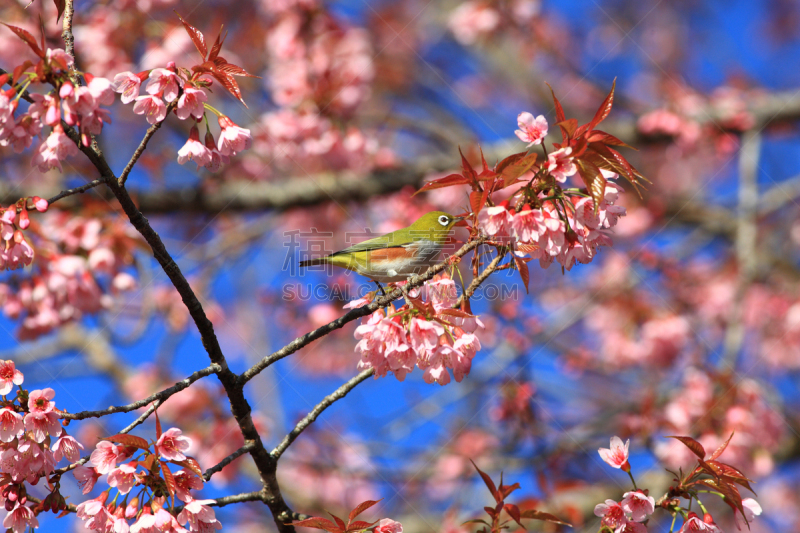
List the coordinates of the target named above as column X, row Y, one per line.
column 129, row 440
column 318, row 523
column 19, row 69
column 60, row 5
column 234, row 70
column 547, row 517
column 487, row 480
column 149, row 461
column 604, row 109
column 339, row 522
column 606, row 138
column 217, row 44
column 158, row 425
column 455, row 312
column 509, row 160
column 360, row 525
column 729, row 472
column 196, row 36
column 170, row 481
column 721, row 449
column 513, row 512
column 692, row 444
column 559, row 110
column 468, row 172
column 516, row 168
column 483, row 162
column 490, row 511
column 522, row 266
column 190, row 463
column 505, row 490
column 447, row 181
column 28, row 38
column 227, row 81
column 570, row 126
column 360, row 508
column 594, row 180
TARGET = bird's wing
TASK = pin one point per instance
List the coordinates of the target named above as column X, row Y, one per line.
column 378, row 243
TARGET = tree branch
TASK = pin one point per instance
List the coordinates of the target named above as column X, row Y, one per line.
column 228, row 460
column 162, row 395
column 143, row 145
column 326, row 402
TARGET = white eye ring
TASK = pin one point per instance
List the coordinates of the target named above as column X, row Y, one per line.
column 444, row 220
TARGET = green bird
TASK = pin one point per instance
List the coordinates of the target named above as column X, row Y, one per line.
column 397, row 255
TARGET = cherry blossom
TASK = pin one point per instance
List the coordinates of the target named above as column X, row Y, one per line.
column 752, row 509
column 199, row 515
column 127, row 84
column 11, row 425
column 695, row 524
column 194, row 150
column 86, row 477
column 56, row 148
column 387, row 525
column 638, row 505
column 191, row 103
column 532, row 130
column 232, row 138
column 471, row 20
column 152, row 107
column 20, row 519
column 164, row 82
column 495, row 220
column 560, row 164
column 172, row 444
column 9, row 376
column 612, row 513
column 617, row 455
column 122, row 478
column 106, row 456
column 67, row 447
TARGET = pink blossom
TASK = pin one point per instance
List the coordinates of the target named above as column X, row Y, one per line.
column 146, row 523
column 232, row 138
column 495, row 220
column 424, row 335
column 612, row 513
column 387, row 525
column 68, row 447
column 152, row 107
column 442, row 293
column 39, row 401
column 53, row 150
column 560, row 164
column 20, row 519
column 11, row 425
column 638, row 505
column 86, row 478
column 45, row 108
column 217, row 159
column 101, row 89
column 694, row 524
column 21, row 134
column 40, row 204
column 172, row 444
column 59, row 58
column 194, row 150
column 123, row 478
column 354, row 304
column 76, row 102
column 106, row 456
column 92, row 507
column 528, row 224
column 199, row 515
column 617, row 455
column 471, row 20
column 531, row 130
column 185, row 481
column 752, row 509
column 553, row 240
column 191, row 103
column 632, row 527
column 164, row 80
column 128, row 84
column 9, row 376
column 467, row 344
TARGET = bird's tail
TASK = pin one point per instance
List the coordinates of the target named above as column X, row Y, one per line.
column 312, row 262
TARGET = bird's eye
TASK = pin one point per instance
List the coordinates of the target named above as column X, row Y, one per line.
column 443, row 220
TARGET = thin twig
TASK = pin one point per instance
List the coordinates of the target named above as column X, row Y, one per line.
column 162, row 395
column 353, row 314
column 228, row 460
column 77, row 190
column 143, row 145
column 326, row 402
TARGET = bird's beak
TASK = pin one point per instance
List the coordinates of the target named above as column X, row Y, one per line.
column 461, row 221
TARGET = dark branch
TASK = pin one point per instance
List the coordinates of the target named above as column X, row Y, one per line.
column 338, row 394
column 228, row 460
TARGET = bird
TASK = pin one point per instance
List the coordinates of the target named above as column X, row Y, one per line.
column 397, row 255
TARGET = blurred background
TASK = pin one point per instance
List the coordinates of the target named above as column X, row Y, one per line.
column 689, row 325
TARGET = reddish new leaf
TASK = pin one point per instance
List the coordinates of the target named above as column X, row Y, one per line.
column 234, row 70
column 606, row 138
column 19, row 69
column 339, row 522
column 360, row 508
column 149, row 461
column 227, row 81
column 190, row 463
column 547, row 517
column 129, row 440
column 447, row 181
column 217, row 44
column 524, row 273
column 559, row 110
column 60, row 5
column 498, row 168
column 158, row 425
column 196, row 36
column 514, row 169
column 603, row 110
column 487, row 480
column 318, row 523
column 513, row 512
column 28, row 38
column 169, row 479
column 721, row 449
column 731, row 473
column 490, row 511
column 360, row 525
column 692, row 444
column 594, row 180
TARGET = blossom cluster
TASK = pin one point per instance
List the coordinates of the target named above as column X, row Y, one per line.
column 81, row 263
column 172, row 85
column 32, row 443
column 444, row 341
column 16, row 251
column 124, row 473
